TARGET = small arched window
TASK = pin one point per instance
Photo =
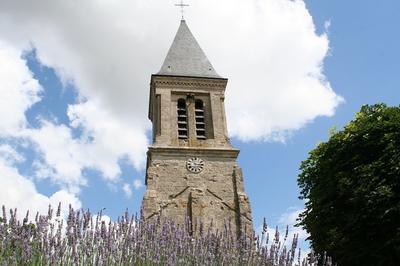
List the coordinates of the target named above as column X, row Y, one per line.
column 200, row 121
column 182, row 119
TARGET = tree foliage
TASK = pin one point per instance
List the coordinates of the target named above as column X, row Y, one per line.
column 351, row 185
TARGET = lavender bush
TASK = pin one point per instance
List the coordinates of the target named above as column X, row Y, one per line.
column 83, row 239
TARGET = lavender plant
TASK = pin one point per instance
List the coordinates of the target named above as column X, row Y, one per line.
column 84, row 239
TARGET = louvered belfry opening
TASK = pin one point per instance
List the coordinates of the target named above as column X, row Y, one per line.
column 200, row 121
column 182, row 119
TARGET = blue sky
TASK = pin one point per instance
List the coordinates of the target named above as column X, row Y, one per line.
column 363, row 67
column 80, row 130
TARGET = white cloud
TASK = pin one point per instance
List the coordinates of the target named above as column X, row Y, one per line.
column 10, row 155
column 113, row 136
column 137, row 184
column 63, row 157
column 104, row 218
column 109, row 49
column 100, row 147
column 19, row 192
column 18, row 90
column 127, row 190
column 290, row 218
column 274, row 61
column 327, row 25
column 268, row 49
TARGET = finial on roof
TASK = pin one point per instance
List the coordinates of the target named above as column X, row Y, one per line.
column 182, row 6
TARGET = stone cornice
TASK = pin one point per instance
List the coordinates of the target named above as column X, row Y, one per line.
column 187, row 82
column 195, row 151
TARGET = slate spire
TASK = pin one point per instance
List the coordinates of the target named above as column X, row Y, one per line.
column 186, row 58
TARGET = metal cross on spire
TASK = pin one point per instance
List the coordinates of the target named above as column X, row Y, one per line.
column 182, row 6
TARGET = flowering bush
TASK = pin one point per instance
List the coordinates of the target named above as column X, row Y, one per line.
column 83, row 239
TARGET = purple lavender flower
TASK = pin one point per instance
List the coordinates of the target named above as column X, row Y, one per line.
column 130, row 240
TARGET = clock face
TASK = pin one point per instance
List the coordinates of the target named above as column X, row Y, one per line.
column 195, row 165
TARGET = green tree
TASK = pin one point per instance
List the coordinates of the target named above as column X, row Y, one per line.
column 351, row 185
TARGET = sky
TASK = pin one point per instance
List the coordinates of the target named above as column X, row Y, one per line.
column 74, row 80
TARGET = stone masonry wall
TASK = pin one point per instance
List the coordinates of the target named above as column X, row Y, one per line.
column 216, row 194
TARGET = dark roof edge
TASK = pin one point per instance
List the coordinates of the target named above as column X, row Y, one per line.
column 196, row 77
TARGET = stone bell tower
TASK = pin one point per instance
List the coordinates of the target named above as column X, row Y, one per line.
column 191, row 165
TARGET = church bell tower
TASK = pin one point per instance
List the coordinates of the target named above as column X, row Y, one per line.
column 191, row 165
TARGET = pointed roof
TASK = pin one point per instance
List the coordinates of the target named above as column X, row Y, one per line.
column 186, row 58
